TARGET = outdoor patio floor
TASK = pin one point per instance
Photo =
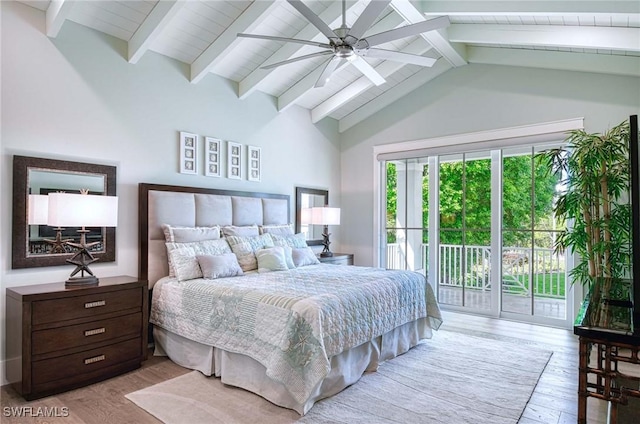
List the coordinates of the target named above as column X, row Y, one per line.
column 478, row 299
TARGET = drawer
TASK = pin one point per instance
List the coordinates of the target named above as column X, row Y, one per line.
column 62, row 338
column 56, row 310
column 84, row 362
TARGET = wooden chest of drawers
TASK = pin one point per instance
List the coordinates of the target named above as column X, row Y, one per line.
column 71, row 337
column 338, row 259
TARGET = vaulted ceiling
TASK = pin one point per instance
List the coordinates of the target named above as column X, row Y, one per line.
column 595, row 36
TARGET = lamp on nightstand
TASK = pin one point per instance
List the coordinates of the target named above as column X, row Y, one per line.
column 82, row 210
column 38, row 214
column 325, row 216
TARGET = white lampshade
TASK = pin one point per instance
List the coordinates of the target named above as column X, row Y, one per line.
column 305, row 216
column 38, row 209
column 325, row 216
column 82, row 210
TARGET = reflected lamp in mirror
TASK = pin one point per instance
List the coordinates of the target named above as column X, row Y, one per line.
column 324, row 216
column 82, row 210
column 39, row 215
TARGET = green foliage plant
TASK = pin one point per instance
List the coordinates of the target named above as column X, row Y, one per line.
column 594, row 170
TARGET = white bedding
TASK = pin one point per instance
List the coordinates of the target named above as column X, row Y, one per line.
column 294, row 322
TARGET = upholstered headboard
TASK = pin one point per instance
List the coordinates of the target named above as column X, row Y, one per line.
column 197, row 207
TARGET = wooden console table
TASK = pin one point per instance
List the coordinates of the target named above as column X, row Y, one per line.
column 602, row 378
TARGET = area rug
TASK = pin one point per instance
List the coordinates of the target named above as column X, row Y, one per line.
column 451, row 378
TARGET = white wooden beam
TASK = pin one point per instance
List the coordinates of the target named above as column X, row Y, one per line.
column 153, row 25
column 332, row 15
column 57, row 12
column 610, row 38
column 306, row 84
column 438, row 39
column 385, row 69
column 530, row 8
column 385, row 99
column 228, row 40
column 566, row 61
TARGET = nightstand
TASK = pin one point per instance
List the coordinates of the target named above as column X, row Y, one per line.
column 338, row 259
column 68, row 337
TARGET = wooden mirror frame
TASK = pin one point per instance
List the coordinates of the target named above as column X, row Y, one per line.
column 20, row 227
column 317, row 192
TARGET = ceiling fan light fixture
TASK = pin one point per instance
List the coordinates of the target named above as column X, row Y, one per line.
column 344, row 51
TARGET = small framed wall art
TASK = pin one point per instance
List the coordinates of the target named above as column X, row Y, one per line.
column 234, row 160
column 188, row 153
column 254, row 165
column 212, row 157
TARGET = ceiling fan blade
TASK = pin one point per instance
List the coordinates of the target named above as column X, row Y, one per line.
column 328, row 70
column 403, row 32
column 368, row 70
column 413, row 59
column 296, row 59
column 313, row 18
column 292, row 40
column 365, row 20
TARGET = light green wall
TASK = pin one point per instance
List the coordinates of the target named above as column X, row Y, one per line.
column 77, row 98
column 470, row 99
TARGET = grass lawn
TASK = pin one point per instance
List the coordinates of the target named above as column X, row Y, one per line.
column 546, row 285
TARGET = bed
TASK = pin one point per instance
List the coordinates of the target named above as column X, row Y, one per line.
column 259, row 311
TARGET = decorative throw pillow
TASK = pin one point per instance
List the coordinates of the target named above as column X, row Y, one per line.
column 189, row 234
column 296, row 241
column 281, row 230
column 288, row 256
column 218, row 266
column 244, row 231
column 182, row 257
column 245, row 247
column 304, row 256
column 271, row 259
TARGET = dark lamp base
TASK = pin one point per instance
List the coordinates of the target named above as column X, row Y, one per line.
column 89, row 280
column 326, row 254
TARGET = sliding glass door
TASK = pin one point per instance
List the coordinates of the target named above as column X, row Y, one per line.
column 492, row 232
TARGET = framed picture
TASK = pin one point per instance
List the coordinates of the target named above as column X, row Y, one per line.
column 212, row 157
column 234, row 160
column 254, row 166
column 188, row 153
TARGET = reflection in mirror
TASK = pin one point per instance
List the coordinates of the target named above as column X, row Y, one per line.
column 308, row 198
column 47, row 240
column 34, row 242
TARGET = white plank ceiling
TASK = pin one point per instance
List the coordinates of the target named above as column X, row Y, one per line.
column 597, row 36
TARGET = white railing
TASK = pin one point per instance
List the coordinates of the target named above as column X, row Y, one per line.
column 547, row 267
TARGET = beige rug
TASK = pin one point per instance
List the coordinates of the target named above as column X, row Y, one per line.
column 452, row 378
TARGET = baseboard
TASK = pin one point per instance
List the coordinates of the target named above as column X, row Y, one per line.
column 11, row 376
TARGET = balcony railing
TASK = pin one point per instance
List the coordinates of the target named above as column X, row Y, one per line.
column 471, row 266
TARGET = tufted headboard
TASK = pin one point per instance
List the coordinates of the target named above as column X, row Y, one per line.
column 197, row 207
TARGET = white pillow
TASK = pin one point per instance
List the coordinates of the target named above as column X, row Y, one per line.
column 244, row 231
column 304, row 256
column 271, row 259
column 288, row 256
column 190, row 234
column 281, row 230
column 182, row 257
column 245, row 247
column 218, row 266
column 296, row 240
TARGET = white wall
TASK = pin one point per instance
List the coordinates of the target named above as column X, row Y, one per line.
column 468, row 99
column 77, row 98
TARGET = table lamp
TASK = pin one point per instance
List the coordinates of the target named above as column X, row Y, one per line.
column 82, row 210
column 325, row 216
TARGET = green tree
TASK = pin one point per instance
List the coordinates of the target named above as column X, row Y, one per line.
column 475, row 175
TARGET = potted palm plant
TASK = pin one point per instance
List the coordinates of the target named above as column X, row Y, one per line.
column 594, row 173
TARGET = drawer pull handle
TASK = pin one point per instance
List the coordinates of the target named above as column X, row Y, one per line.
column 95, row 331
column 95, row 304
column 94, row 359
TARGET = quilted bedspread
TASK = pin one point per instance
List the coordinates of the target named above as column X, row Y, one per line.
column 293, row 321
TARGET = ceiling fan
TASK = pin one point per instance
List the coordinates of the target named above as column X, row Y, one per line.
column 346, row 43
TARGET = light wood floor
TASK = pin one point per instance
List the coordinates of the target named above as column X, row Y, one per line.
column 553, row 401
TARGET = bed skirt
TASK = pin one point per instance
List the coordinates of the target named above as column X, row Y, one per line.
column 242, row 371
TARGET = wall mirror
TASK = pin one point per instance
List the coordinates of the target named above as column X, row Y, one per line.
column 36, row 244
column 308, row 198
